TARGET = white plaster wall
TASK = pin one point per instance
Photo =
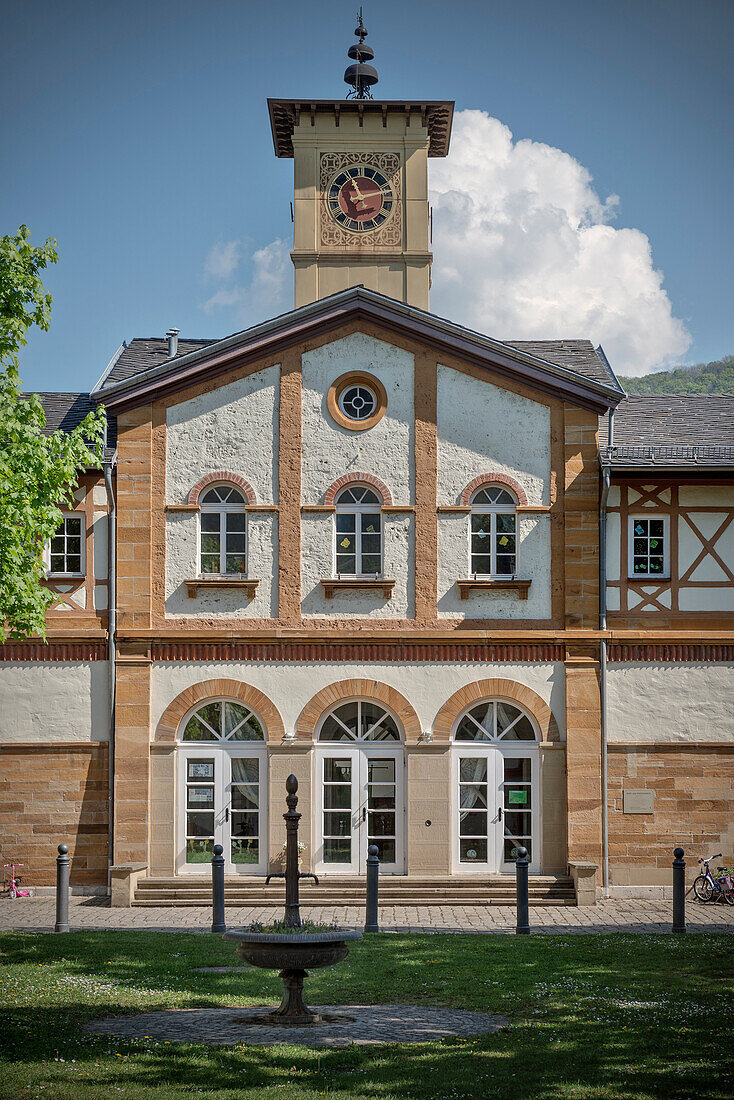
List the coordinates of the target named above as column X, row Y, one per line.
column 182, row 562
column 706, row 599
column 317, row 563
column 233, row 428
column 483, row 428
column 690, row 546
column 385, row 451
column 614, row 545
column 534, row 562
column 290, row 685
column 718, row 496
column 99, row 544
column 48, row 701
column 670, row 702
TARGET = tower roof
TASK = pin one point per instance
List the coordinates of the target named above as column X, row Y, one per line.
column 436, row 115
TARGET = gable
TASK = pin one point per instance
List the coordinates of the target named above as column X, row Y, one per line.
column 293, row 329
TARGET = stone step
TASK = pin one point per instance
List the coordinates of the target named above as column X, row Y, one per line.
column 184, row 902
column 394, row 891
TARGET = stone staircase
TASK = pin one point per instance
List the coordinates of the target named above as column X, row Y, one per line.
column 350, row 890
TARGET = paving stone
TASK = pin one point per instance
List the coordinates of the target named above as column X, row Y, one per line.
column 358, row 1025
column 628, row 915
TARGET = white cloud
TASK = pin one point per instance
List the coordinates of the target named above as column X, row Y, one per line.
column 523, row 250
column 265, row 293
column 223, row 260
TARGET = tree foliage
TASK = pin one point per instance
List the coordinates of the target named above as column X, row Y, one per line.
column 714, row 377
column 38, row 472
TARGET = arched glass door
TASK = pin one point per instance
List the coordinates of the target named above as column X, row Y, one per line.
column 495, row 781
column 222, row 789
column 360, row 764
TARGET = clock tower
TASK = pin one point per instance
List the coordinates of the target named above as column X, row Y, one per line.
column 360, row 209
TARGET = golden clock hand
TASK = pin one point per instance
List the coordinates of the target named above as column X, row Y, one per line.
column 360, row 196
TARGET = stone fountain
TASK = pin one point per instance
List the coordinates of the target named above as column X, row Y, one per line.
column 295, row 953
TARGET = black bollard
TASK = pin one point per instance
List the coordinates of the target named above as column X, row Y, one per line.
column 218, row 924
column 523, row 908
column 373, row 879
column 679, row 891
column 62, row 889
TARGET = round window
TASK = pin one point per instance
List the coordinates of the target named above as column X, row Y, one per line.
column 358, row 402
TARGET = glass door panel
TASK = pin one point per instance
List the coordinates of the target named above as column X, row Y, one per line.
column 474, row 821
column 518, row 809
column 223, row 800
column 199, row 819
column 360, row 804
column 245, row 825
column 382, row 805
column 340, row 844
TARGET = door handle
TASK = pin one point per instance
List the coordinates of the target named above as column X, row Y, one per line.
column 226, row 814
column 499, row 814
column 364, row 813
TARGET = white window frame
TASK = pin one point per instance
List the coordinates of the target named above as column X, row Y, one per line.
column 494, row 510
column 358, row 510
column 47, row 554
column 631, row 520
column 358, row 386
column 223, row 509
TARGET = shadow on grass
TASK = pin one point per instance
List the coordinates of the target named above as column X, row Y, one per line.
column 591, row 1017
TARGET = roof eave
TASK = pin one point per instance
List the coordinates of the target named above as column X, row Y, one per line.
column 356, row 303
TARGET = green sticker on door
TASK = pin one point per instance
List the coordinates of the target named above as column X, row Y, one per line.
column 517, row 798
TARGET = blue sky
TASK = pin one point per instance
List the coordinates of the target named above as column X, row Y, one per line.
column 138, row 136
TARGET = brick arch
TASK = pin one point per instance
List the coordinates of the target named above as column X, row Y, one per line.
column 313, row 711
column 495, row 688
column 229, row 478
column 493, row 479
column 358, row 479
column 167, row 729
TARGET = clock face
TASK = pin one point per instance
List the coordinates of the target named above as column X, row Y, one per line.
column 360, row 198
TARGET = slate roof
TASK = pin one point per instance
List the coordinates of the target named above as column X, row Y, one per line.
column 67, row 410
column 577, row 355
column 673, row 430
column 143, row 353
column 580, row 356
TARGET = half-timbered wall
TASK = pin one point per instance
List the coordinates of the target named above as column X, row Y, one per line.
column 699, row 587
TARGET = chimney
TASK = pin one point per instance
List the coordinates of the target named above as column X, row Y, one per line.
column 172, row 337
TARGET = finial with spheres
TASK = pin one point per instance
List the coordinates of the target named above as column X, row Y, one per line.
column 361, row 76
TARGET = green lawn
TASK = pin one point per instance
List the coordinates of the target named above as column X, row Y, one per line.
column 592, row 1016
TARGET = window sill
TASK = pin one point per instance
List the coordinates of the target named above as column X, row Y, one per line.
column 193, row 585
column 648, row 578
column 493, row 584
column 368, row 584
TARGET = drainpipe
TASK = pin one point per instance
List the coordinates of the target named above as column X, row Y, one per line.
column 111, row 628
column 606, row 477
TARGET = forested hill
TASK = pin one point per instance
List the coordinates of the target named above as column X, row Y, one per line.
column 716, row 377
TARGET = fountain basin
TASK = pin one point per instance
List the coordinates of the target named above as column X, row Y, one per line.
column 302, row 951
column 293, row 955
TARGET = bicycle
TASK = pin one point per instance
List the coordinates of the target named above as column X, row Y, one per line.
column 708, row 887
column 11, row 887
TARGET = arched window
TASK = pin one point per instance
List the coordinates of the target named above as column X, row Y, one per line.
column 223, row 531
column 360, row 720
column 495, row 720
column 358, row 532
column 222, row 720
column 493, row 533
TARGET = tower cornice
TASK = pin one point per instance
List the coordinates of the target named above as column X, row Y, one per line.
column 434, row 115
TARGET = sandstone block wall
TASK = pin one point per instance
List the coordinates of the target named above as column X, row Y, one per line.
column 693, row 791
column 51, row 794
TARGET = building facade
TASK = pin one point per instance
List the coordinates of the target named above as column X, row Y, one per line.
column 410, row 563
